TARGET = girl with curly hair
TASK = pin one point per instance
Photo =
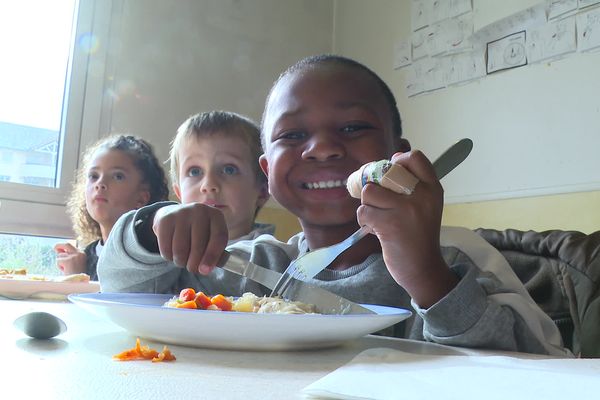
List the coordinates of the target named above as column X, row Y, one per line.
column 119, row 173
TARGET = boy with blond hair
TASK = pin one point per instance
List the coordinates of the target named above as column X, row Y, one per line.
column 214, row 161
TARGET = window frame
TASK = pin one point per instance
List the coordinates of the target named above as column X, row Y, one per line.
column 36, row 210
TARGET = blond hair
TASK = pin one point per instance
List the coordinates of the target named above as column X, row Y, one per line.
column 223, row 123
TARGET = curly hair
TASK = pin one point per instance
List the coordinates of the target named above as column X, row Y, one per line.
column 142, row 154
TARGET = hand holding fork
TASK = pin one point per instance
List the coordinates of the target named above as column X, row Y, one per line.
column 310, row 264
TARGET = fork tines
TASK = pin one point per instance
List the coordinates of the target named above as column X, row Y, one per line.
column 285, row 280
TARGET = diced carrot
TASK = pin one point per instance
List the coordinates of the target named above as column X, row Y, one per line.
column 187, row 294
column 187, row 304
column 222, row 302
column 202, row 300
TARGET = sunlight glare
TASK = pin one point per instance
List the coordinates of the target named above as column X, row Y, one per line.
column 35, row 38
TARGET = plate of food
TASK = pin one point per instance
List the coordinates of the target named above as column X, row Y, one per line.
column 18, row 284
column 158, row 317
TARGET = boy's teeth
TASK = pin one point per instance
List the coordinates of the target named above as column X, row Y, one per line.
column 326, row 184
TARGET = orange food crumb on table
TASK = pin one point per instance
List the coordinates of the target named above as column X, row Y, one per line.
column 140, row 352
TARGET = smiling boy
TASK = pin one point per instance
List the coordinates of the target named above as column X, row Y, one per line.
column 324, row 118
column 314, row 136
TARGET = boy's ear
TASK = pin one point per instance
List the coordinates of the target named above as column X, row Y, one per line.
column 177, row 191
column 264, row 164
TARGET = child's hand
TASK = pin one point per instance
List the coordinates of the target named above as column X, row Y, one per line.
column 69, row 259
column 408, row 227
column 191, row 235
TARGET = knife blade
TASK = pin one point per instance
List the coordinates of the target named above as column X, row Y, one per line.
column 326, row 302
column 450, row 159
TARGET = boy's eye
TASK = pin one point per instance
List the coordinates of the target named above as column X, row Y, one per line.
column 292, row 135
column 119, row 176
column 92, row 176
column 230, row 169
column 195, row 171
column 352, row 128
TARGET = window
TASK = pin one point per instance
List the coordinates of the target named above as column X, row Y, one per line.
column 36, row 254
column 31, row 101
column 50, row 107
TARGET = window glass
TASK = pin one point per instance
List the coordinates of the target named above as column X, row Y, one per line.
column 36, row 254
column 53, row 60
column 35, row 38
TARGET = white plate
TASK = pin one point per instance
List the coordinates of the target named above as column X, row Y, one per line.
column 23, row 289
column 143, row 315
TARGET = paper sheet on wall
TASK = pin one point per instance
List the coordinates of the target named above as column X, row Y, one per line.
column 450, row 35
column 443, row 30
column 587, row 3
column 402, row 53
column 521, row 21
column 427, row 12
column 415, row 78
column 419, row 44
column 435, row 74
column 425, row 75
column 558, row 8
column 551, row 40
column 588, row 30
column 465, row 67
column 445, row 9
column 419, row 14
column 508, row 52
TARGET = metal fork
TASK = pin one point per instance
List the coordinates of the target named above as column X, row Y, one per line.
column 301, row 269
column 310, row 264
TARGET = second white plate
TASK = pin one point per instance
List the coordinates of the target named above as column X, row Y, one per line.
column 51, row 290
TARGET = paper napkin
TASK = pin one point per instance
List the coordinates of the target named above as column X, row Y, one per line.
column 386, row 374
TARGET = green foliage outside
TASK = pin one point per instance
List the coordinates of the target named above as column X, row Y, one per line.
column 36, row 254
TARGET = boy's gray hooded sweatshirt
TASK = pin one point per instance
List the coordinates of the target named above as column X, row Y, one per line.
column 489, row 308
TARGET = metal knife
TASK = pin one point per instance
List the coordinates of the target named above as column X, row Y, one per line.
column 452, row 157
column 325, row 301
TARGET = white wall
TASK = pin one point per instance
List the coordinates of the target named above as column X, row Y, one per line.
column 170, row 59
column 536, row 128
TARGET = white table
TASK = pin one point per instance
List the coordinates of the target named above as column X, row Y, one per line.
column 78, row 364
